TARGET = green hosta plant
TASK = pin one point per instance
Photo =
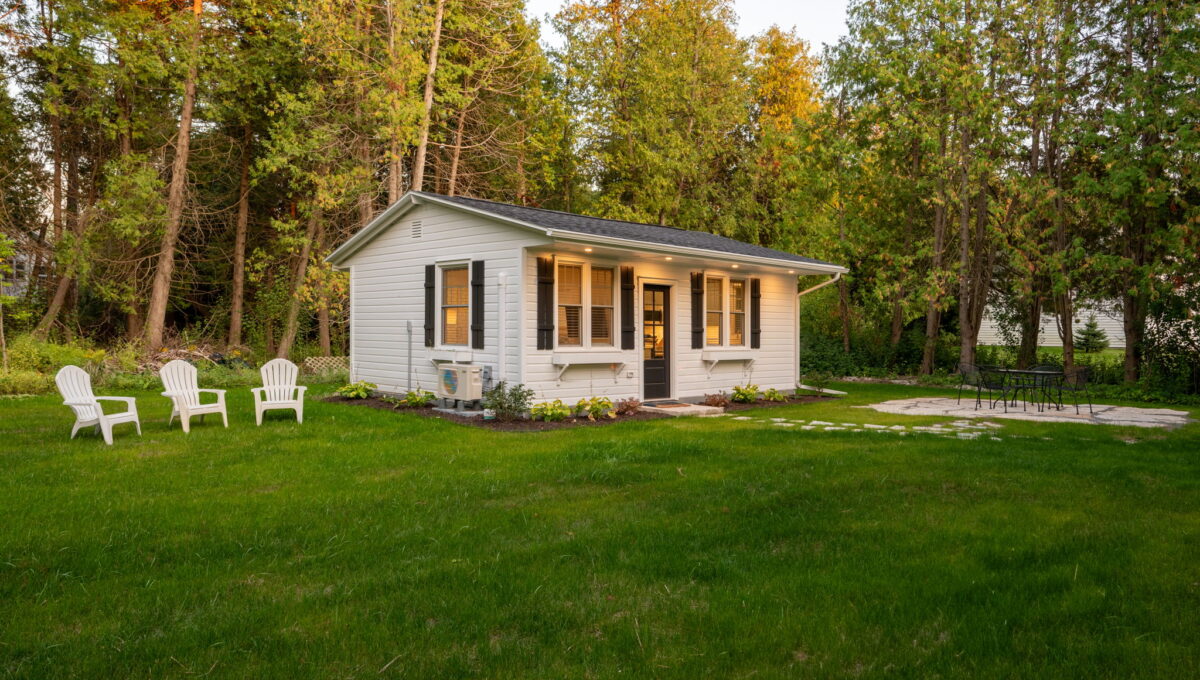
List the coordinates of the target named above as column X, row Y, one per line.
column 550, row 411
column 745, row 394
column 357, row 390
column 596, row 407
column 774, row 395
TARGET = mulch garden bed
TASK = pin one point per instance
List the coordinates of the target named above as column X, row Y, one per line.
column 514, row 426
column 540, row 425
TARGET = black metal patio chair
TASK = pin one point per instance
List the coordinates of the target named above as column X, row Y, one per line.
column 969, row 377
column 994, row 379
column 1074, row 382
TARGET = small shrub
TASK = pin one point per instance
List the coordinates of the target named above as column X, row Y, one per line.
column 720, row 400
column 1091, row 338
column 596, row 407
column 628, row 407
column 358, row 390
column 550, row 411
column 25, row 382
column 745, row 394
column 774, row 395
column 508, row 403
column 412, row 399
column 818, row 380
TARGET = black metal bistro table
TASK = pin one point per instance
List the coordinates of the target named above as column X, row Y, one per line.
column 1039, row 385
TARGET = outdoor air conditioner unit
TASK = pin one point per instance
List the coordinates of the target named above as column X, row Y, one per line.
column 459, row 381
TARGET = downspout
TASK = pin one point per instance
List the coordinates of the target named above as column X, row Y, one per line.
column 502, row 310
column 799, row 295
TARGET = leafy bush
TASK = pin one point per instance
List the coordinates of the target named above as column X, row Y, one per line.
column 508, row 403
column 596, row 407
column 26, row 353
column 720, row 400
column 745, row 394
column 774, row 395
column 358, row 390
column 25, row 382
column 628, row 407
column 550, row 411
column 412, row 399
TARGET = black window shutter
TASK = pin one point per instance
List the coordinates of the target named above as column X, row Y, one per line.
column 545, row 302
column 697, row 310
column 430, row 304
column 628, row 328
column 477, row 304
column 755, row 313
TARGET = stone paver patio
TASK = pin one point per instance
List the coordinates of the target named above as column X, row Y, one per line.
column 1102, row 414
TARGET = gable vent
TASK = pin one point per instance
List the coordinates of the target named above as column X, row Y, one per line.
column 416, row 229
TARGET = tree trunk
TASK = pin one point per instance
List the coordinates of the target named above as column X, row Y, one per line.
column 323, row 329
column 1031, row 326
column 1134, row 313
column 456, row 152
column 160, row 288
column 418, row 172
column 933, row 314
column 237, row 295
column 292, row 321
column 60, row 290
column 897, row 320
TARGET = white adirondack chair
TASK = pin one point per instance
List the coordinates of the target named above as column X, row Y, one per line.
column 279, row 390
column 75, row 386
column 179, row 380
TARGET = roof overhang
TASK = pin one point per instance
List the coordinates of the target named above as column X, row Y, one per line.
column 411, row 199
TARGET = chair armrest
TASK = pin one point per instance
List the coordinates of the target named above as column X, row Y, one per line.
column 300, row 390
column 127, row 400
column 80, row 402
column 213, row 391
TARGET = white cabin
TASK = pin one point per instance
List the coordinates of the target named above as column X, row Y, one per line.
column 568, row 305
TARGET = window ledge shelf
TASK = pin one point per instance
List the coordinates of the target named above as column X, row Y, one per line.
column 712, row 357
column 565, row 359
column 458, row 356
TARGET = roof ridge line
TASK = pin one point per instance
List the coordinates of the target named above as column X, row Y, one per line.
column 564, row 212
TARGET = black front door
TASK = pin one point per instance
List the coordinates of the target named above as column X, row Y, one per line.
column 656, row 341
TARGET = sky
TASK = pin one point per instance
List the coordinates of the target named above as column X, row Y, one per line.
column 817, row 21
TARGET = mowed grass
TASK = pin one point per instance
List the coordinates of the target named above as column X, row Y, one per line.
column 368, row 544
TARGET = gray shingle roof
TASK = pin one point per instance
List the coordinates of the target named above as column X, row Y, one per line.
column 633, row 231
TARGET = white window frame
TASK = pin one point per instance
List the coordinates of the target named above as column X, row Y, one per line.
column 585, row 322
column 439, row 290
column 727, row 310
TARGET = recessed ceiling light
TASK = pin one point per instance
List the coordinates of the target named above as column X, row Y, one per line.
column 791, row 271
column 735, row 266
column 587, row 250
column 669, row 258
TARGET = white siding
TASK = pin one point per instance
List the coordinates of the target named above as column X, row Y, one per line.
column 387, row 279
column 774, row 365
column 1108, row 318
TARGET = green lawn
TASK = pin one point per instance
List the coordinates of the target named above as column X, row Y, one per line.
column 368, row 544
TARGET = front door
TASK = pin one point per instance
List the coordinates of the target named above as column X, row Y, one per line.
column 656, row 341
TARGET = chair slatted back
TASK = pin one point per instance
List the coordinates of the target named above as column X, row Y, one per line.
column 279, row 379
column 74, row 384
column 179, row 377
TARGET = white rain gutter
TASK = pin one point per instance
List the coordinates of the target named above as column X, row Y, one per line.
column 799, row 295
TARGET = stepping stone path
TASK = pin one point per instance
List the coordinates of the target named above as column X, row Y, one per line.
column 959, row 429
